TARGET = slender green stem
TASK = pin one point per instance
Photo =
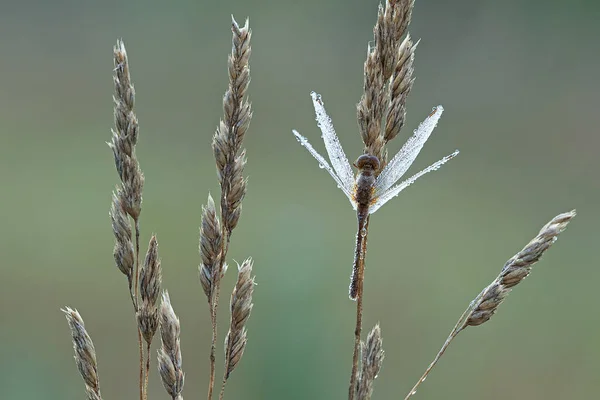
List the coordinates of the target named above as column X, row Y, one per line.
column 214, row 305
column 357, row 333
column 460, row 325
column 147, row 371
column 213, row 346
column 223, row 384
column 136, row 289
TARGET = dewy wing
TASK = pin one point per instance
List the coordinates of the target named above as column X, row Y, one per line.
column 398, row 165
column 325, row 165
column 395, row 191
column 338, row 158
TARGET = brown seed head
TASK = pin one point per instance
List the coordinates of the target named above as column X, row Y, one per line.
column 400, row 85
column 372, row 359
column 381, row 68
column 123, row 252
column 391, row 25
column 150, row 282
column 515, row 270
column 125, row 135
column 169, row 354
column 148, row 321
column 85, row 354
column 151, row 274
column 227, row 141
column 241, row 306
column 210, row 246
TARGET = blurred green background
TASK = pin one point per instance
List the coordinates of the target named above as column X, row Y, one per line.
column 519, row 82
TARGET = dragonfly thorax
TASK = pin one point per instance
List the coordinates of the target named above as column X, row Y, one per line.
column 367, row 165
column 367, row 162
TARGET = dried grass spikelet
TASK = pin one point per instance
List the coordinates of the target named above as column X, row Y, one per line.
column 241, row 306
column 372, row 359
column 125, row 135
column 400, row 85
column 396, row 18
column 210, row 246
column 227, row 141
column 150, row 282
column 230, row 161
column 85, row 354
column 169, row 354
column 127, row 198
column 124, row 252
column 515, row 270
column 381, row 63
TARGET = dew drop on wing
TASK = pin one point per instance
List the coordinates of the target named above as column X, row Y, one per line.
column 321, row 166
column 363, row 232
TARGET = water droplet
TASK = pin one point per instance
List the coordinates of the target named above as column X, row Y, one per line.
column 321, row 166
column 363, row 232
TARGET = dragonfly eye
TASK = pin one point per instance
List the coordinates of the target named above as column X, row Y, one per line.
column 367, row 161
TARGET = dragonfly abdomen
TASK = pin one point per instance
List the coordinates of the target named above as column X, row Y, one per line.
column 358, row 267
column 367, row 165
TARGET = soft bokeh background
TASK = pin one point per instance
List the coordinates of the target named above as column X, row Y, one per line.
column 519, row 82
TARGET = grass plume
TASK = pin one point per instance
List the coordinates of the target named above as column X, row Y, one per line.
column 230, row 158
column 128, row 196
column 516, row 269
column 387, row 57
column 144, row 280
column 144, row 283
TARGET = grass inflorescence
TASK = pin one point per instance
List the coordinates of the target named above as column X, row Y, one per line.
column 144, row 278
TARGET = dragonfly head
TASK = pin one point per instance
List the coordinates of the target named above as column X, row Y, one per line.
column 367, row 162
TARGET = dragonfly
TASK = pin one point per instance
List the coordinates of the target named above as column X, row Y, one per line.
column 370, row 188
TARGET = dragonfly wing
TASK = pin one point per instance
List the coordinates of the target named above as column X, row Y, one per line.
column 323, row 164
column 398, row 166
column 394, row 191
column 338, row 158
